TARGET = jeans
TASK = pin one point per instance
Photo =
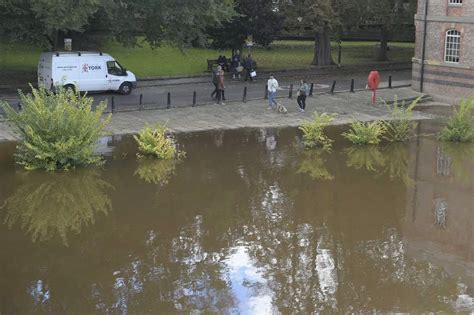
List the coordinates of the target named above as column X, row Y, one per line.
column 301, row 101
column 271, row 99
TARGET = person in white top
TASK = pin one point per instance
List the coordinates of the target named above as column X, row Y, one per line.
column 272, row 86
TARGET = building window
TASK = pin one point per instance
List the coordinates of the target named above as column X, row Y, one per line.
column 455, row 2
column 453, row 46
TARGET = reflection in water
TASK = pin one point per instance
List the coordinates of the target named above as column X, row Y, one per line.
column 457, row 157
column 238, row 231
column 367, row 157
column 155, row 171
column 392, row 159
column 313, row 163
column 53, row 204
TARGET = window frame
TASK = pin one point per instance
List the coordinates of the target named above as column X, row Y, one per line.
column 452, row 44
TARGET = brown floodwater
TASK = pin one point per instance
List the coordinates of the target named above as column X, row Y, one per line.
column 247, row 223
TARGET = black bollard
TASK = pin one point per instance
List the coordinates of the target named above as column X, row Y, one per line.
column 311, row 89
column 168, row 102
column 389, row 81
column 333, row 86
column 244, row 98
column 290, row 95
column 352, row 86
column 19, row 107
column 112, row 105
column 140, row 102
column 265, row 97
column 194, row 98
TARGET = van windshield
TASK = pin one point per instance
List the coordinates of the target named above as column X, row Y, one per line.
column 114, row 68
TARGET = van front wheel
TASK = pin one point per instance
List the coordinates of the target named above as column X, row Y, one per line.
column 125, row 88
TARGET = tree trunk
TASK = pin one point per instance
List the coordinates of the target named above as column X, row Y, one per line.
column 322, row 49
column 382, row 53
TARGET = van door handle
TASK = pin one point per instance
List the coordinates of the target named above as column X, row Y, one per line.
column 106, row 76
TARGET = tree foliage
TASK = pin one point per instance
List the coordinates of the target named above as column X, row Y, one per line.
column 320, row 17
column 387, row 15
column 254, row 17
column 179, row 22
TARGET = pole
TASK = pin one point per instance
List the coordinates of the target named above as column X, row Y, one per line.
column 311, row 89
column 352, row 86
column 194, row 98
column 423, row 53
column 244, row 98
column 168, row 101
column 265, row 97
column 339, row 54
column 333, row 86
column 290, row 95
column 389, row 81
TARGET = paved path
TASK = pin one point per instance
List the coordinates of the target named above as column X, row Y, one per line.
column 253, row 114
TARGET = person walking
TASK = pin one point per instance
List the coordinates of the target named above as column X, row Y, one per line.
column 272, row 87
column 302, row 92
column 220, row 88
column 248, row 66
column 215, row 79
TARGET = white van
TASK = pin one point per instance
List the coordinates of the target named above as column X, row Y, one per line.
column 84, row 71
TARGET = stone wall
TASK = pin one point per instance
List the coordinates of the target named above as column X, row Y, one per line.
column 445, row 79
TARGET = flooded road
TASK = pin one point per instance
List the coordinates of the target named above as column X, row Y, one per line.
column 248, row 223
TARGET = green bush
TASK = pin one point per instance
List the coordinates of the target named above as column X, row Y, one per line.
column 155, row 142
column 460, row 127
column 59, row 130
column 401, row 126
column 363, row 133
column 313, row 131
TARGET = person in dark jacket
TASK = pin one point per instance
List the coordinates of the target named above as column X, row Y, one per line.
column 215, row 75
column 222, row 61
column 249, row 67
column 236, row 65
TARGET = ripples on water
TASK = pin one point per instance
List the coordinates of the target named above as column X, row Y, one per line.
column 248, row 223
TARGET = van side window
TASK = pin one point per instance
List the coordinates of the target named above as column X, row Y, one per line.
column 114, row 68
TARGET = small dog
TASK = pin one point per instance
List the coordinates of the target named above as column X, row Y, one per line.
column 281, row 109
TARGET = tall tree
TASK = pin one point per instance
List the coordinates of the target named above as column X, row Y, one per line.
column 258, row 18
column 321, row 17
column 388, row 16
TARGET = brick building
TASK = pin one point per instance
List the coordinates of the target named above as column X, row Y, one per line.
column 447, row 48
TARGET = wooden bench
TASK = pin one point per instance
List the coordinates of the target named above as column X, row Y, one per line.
column 212, row 62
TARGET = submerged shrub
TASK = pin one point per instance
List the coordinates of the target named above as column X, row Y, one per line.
column 313, row 131
column 460, row 127
column 156, row 142
column 59, row 130
column 401, row 126
column 363, row 133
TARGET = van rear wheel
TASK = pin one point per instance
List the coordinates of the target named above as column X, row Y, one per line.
column 70, row 86
column 125, row 88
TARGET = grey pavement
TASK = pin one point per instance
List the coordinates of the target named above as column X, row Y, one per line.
column 254, row 114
